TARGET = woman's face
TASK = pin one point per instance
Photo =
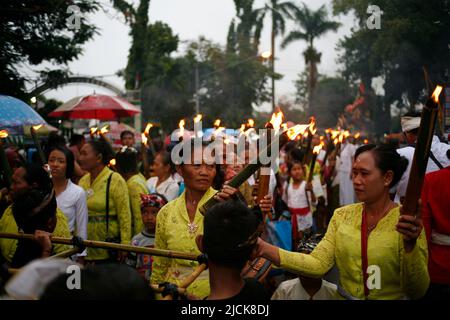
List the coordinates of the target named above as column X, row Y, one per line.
column 19, row 184
column 58, row 164
column 89, row 159
column 197, row 177
column 369, row 181
column 159, row 169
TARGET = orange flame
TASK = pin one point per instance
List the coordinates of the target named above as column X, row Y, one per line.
column 112, row 162
column 336, row 141
column 181, row 126
column 3, row 134
column 284, row 126
column 312, row 123
column 242, row 128
column 144, row 139
column 104, row 130
column 147, row 128
column 357, row 135
column 217, row 123
column 251, row 123
column 198, row 118
column 294, row 131
column 366, row 141
column 317, row 149
column 334, row 134
column 277, row 120
column 226, row 141
column 37, row 127
column 341, row 138
column 93, row 130
column 436, row 93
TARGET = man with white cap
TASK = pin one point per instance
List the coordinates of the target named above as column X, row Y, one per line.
column 438, row 154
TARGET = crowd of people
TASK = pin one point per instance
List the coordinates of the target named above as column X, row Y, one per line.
column 338, row 232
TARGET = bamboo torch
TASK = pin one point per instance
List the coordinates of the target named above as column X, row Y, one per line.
column 264, row 172
column 421, row 152
column 93, row 132
column 314, row 155
column 4, row 159
column 252, row 167
column 311, row 133
column 145, row 162
column 33, row 131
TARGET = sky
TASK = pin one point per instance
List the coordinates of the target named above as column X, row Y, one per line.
column 107, row 52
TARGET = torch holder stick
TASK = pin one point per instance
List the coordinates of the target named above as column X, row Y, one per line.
column 38, row 146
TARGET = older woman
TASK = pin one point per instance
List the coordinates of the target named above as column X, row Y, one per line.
column 179, row 222
column 381, row 252
column 109, row 216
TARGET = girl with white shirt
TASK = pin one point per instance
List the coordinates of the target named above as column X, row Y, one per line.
column 163, row 181
column 299, row 203
column 70, row 198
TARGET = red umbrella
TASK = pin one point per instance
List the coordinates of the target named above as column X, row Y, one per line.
column 96, row 106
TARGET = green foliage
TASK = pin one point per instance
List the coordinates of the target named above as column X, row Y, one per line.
column 36, row 31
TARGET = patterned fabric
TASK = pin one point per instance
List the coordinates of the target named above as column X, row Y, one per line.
column 14, row 113
column 119, row 210
column 401, row 274
column 174, row 232
column 152, row 200
column 8, row 224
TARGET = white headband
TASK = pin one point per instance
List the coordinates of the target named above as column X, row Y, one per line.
column 410, row 123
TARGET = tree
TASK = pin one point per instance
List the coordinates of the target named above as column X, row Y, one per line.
column 35, row 31
column 312, row 25
column 279, row 12
column 413, row 34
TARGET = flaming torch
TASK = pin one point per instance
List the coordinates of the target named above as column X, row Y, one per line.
column 4, row 160
column 264, row 172
column 252, row 167
column 145, row 161
column 33, row 131
column 421, row 152
column 93, row 132
column 312, row 132
column 197, row 125
column 314, row 155
column 181, row 125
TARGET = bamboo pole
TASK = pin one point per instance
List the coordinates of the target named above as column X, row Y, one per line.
column 109, row 245
column 66, row 254
column 186, row 282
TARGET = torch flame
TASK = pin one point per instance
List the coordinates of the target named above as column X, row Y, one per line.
column 437, row 91
column 277, row 120
column 242, row 128
column 181, row 126
column 37, row 127
column 104, row 130
column 284, row 126
column 317, row 149
column 294, row 131
column 335, row 141
column 366, row 141
column 357, row 135
column 144, row 139
column 251, row 123
column 93, row 130
column 334, row 134
column 312, row 123
column 198, row 118
column 341, row 138
column 147, row 128
column 3, row 134
column 217, row 123
column 112, row 162
column 226, row 141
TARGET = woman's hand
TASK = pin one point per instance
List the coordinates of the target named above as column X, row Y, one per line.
column 43, row 238
column 309, row 187
column 410, row 226
column 225, row 193
column 266, row 250
column 265, row 204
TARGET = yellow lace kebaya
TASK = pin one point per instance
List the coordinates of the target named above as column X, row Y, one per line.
column 136, row 185
column 174, row 232
column 119, row 210
column 402, row 275
column 8, row 224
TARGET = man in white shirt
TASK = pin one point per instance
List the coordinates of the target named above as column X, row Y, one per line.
column 346, row 191
column 438, row 156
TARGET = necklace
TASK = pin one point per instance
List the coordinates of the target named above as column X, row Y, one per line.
column 192, row 228
column 371, row 227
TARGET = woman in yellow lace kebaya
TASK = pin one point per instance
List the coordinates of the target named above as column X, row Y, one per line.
column 179, row 222
column 381, row 252
column 127, row 166
column 94, row 157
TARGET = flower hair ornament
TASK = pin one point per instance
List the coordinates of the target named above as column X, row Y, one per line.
column 153, row 200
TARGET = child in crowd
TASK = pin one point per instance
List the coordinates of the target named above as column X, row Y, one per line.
column 297, row 199
column 150, row 206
